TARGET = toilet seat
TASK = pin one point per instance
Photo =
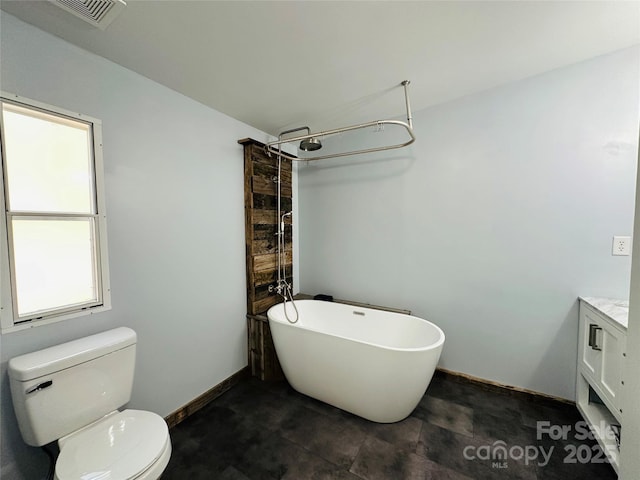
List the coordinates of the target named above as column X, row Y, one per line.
column 127, row 445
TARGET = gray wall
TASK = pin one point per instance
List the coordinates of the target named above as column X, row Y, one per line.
column 174, row 186
column 492, row 223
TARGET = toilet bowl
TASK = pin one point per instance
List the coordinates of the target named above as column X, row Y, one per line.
column 72, row 392
column 126, row 445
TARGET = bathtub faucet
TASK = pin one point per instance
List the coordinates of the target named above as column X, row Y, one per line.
column 283, row 286
column 280, row 287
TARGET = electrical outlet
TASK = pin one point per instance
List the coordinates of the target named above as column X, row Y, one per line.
column 621, row 246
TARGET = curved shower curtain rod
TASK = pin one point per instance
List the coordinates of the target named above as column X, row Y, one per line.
column 275, row 146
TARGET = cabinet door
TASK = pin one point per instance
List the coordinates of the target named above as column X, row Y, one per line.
column 590, row 345
column 611, row 368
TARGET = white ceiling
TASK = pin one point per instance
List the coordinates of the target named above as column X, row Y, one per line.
column 274, row 65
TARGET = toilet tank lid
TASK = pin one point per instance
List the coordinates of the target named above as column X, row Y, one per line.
column 53, row 359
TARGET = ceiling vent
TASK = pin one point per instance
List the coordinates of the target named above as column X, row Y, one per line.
column 99, row 13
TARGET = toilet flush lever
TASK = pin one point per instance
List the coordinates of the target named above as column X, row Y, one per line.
column 40, row 386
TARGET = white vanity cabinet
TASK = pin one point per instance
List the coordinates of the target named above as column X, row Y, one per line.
column 602, row 337
column 601, row 350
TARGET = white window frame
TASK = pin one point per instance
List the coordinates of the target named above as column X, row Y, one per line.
column 9, row 322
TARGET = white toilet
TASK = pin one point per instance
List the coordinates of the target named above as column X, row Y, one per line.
column 71, row 393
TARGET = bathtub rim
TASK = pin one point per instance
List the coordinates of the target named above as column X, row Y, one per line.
column 439, row 343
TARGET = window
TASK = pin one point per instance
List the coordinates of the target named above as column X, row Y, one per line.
column 53, row 235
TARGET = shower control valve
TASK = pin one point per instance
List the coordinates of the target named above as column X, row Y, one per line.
column 279, row 287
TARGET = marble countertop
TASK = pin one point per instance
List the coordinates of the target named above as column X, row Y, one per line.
column 616, row 309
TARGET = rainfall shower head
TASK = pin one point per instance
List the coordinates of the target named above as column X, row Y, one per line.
column 310, row 144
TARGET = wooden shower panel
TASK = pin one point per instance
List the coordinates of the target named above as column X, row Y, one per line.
column 261, row 224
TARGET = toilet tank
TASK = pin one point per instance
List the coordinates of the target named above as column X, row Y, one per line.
column 60, row 389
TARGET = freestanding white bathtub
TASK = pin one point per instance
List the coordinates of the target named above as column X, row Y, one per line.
column 372, row 363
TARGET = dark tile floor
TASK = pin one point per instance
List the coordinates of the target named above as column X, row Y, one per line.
column 260, row 430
